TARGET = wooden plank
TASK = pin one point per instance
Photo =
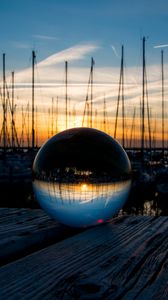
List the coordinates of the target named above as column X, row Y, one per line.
column 23, row 231
column 125, row 259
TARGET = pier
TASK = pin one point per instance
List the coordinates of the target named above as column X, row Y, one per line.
column 84, row 150
column 126, row 258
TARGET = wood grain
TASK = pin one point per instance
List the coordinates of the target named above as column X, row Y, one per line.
column 23, row 231
column 124, row 259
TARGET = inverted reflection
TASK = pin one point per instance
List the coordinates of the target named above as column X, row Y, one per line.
column 81, row 177
column 81, row 204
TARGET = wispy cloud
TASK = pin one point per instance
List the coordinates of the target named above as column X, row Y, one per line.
column 115, row 51
column 21, row 45
column 44, row 37
column 50, row 82
column 161, row 46
column 47, row 67
column 73, row 53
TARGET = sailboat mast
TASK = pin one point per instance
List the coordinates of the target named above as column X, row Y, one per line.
column 56, row 127
column 36, row 126
column 88, row 110
column 143, row 97
column 104, row 114
column 95, row 119
column 123, row 110
column 121, row 95
column 132, row 127
column 33, row 130
column 52, row 117
column 162, row 61
column 22, row 132
column 12, row 111
column 28, row 136
column 91, row 92
column 4, row 105
column 48, row 123
column 66, row 94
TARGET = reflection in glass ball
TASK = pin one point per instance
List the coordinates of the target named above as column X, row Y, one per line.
column 81, row 177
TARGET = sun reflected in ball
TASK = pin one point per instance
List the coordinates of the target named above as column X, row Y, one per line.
column 81, row 177
column 84, row 187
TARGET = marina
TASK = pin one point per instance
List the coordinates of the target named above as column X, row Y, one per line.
column 84, row 150
column 148, row 190
column 149, row 161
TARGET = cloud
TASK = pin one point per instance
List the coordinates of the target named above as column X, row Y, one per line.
column 161, row 46
column 44, row 37
column 50, row 69
column 21, row 45
column 50, row 82
column 73, row 53
column 115, row 51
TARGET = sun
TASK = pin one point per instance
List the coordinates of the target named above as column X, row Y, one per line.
column 84, row 187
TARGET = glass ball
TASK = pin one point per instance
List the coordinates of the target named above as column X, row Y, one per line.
column 81, row 177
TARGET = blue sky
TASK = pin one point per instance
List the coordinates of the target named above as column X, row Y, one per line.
column 49, row 26
column 76, row 30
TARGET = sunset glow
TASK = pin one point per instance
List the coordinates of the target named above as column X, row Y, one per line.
column 84, row 187
column 51, row 94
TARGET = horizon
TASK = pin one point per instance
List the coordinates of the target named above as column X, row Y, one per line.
column 69, row 44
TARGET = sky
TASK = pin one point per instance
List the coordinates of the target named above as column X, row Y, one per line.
column 50, row 26
column 75, row 31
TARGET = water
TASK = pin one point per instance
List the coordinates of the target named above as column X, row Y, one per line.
column 147, row 203
column 145, row 198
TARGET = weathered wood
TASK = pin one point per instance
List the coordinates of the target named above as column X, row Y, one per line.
column 23, row 231
column 125, row 259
